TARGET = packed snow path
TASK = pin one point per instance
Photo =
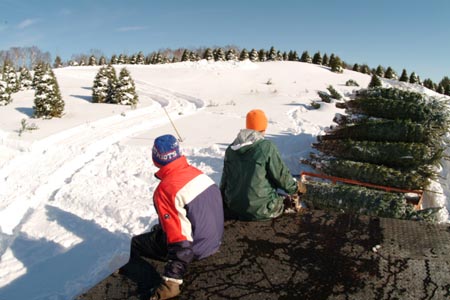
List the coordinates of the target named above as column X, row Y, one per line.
column 32, row 179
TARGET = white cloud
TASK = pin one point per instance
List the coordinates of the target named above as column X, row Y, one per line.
column 131, row 28
column 27, row 22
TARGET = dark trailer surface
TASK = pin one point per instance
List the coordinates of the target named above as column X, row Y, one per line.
column 312, row 255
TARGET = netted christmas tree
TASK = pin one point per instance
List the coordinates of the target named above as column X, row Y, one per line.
column 390, row 138
column 48, row 102
column 125, row 90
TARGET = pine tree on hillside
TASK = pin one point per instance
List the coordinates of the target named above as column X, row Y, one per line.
column 325, row 60
column 306, row 57
column 254, row 55
column 375, row 81
column 25, row 79
column 413, row 78
column 113, row 60
column 48, row 102
column 208, row 55
column 317, row 58
column 92, row 61
column 5, row 94
column 58, row 62
column 140, row 59
column 133, row 59
column 272, row 55
column 101, row 86
column 293, row 56
column 10, row 77
column 112, row 82
column 404, row 76
column 285, row 56
column 186, row 55
column 102, row 61
column 356, row 68
column 125, row 90
column 122, row 59
column 194, row 56
column 390, row 74
column 336, row 65
column 231, row 54
column 219, row 55
column 38, row 72
column 380, row 71
column 262, row 55
column 428, row 83
column 244, row 55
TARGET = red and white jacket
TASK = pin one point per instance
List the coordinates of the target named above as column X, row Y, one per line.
column 190, row 211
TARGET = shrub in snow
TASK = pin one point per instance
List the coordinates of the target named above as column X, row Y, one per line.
column 24, row 126
column 334, row 94
column 351, row 82
column 324, row 96
column 125, row 91
column 48, row 102
column 5, row 95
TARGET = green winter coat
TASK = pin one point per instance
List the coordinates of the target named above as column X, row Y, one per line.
column 253, row 171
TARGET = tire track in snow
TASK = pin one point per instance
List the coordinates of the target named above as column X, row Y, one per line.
column 30, row 180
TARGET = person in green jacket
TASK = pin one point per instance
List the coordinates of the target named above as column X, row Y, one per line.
column 253, row 171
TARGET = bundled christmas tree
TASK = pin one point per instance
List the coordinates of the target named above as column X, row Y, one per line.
column 389, row 137
column 48, row 102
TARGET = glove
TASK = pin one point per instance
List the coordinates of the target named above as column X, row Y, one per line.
column 168, row 289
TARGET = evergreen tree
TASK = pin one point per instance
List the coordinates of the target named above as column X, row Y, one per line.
column 57, row 63
column 140, row 60
column 428, row 83
column 272, row 54
column 262, row 55
column 404, row 76
column 10, row 77
column 231, row 54
column 125, row 90
column 101, row 86
column 186, row 55
column 102, row 61
column 112, row 82
column 317, row 58
column 244, row 55
column 208, row 55
column 219, row 55
column 133, row 59
column 390, row 74
column 5, row 94
column 279, row 56
column 306, row 57
column 193, row 56
column 375, row 81
column 293, row 56
column 38, row 72
column 356, row 68
column 365, row 69
column 285, row 56
column 413, row 78
column 92, row 61
column 380, row 71
column 122, row 59
column 325, row 60
column 113, row 60
column 25, row 79
column 48, row 102
column 336, row 65
column 254, row 55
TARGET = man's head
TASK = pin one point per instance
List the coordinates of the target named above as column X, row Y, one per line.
column 256, row 120
column 165, row 150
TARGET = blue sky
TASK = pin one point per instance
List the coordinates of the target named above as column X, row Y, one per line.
column 412, row 35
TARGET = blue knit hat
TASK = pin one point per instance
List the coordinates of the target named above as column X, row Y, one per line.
column 165, row 150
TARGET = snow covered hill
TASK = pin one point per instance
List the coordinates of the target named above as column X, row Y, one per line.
column 74, row 191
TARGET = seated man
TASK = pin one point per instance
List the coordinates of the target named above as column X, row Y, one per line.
column 190, row 212
column 253, row 171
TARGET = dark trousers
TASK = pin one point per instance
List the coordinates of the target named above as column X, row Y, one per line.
column 151, row 244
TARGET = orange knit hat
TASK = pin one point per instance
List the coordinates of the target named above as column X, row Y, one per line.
column 256, row 120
